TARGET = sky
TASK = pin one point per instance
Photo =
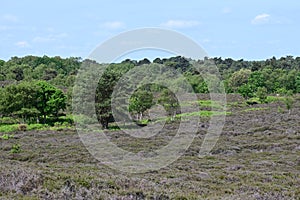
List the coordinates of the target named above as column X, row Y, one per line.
column 250, row 30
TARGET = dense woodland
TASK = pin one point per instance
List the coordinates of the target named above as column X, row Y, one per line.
column 37, row 89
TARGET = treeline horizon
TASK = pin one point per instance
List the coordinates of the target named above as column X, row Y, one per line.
column 24, row 74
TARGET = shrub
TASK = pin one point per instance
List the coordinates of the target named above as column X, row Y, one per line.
column 8, row 128
column 6, row 136
column 8, row 120
column 16, row 148
column 36, row 126
column 262, row 94
column 22, row 127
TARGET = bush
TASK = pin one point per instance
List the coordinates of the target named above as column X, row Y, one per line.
column 36, row 126
column 8, row 128
column 8, row 120
column 262, row 94
column 253, row 101
column 16, row 148
column 6, row 136
column 22, row 127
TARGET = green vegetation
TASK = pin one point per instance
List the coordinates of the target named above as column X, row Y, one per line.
column 39, row 89
column 16, row 148
column 203, row 113
column 254, row 109
column 31, row 102
column 7, row 136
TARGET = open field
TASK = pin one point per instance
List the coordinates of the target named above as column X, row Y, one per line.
column 256, row 157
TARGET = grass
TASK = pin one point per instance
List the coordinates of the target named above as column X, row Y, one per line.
column 203, row 113
column 254, row 109
column 203, row 104
column 7, row 136
column 15, row 127
column 8, row 128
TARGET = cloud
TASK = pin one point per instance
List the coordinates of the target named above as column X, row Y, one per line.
column 114, row 25
column 10, row 18
column 180, row 23
column 261, row 19
column 22, row 44
column 49, row 38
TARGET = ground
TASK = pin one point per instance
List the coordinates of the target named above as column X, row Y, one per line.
column 256, row 157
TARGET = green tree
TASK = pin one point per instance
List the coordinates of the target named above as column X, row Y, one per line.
column 169, row 101
column 297, row 81
column 238, row 79
column 19, row 100
column 105, row 89
column 289, row 101
column 139, row 102
column 50, row 100
column 246, row 91
column 261, row 93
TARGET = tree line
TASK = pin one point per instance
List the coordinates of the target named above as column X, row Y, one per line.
column 34, row 88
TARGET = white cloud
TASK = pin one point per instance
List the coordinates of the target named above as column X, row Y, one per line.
column 114, row 25
column 261, row 19
column 10, row 18
column 22, row 44
column 180, row 23
column 49, row 38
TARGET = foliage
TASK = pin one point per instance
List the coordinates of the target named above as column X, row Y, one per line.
column 246, row 91
column 238, row 79
column 105, row 89
column 36, row 88
column 50, row 100
column 7, row 136
column 288, row 103
column 140, row 101
column 31, row 101
column 16, row 148
column 170, row 103
column 262, row 94
column 8, row 128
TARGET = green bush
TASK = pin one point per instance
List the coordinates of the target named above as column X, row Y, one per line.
column 7, row 136
column 36, row 126
column 16, row 148
column 253, row 101
column 8, row 120
column 8, row 128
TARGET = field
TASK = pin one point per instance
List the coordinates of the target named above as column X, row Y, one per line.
column 256, row 157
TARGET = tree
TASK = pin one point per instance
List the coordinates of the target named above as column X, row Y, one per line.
column 288, row 100
column 50, row 100
column 139, row 102
column 239, row 78
column 19, row 100
column 298, row 83
column 105, row 89
column 169, row 101
column 261, row 93
column 246, row 91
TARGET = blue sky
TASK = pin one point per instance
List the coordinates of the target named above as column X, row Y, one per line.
column 252, row 30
